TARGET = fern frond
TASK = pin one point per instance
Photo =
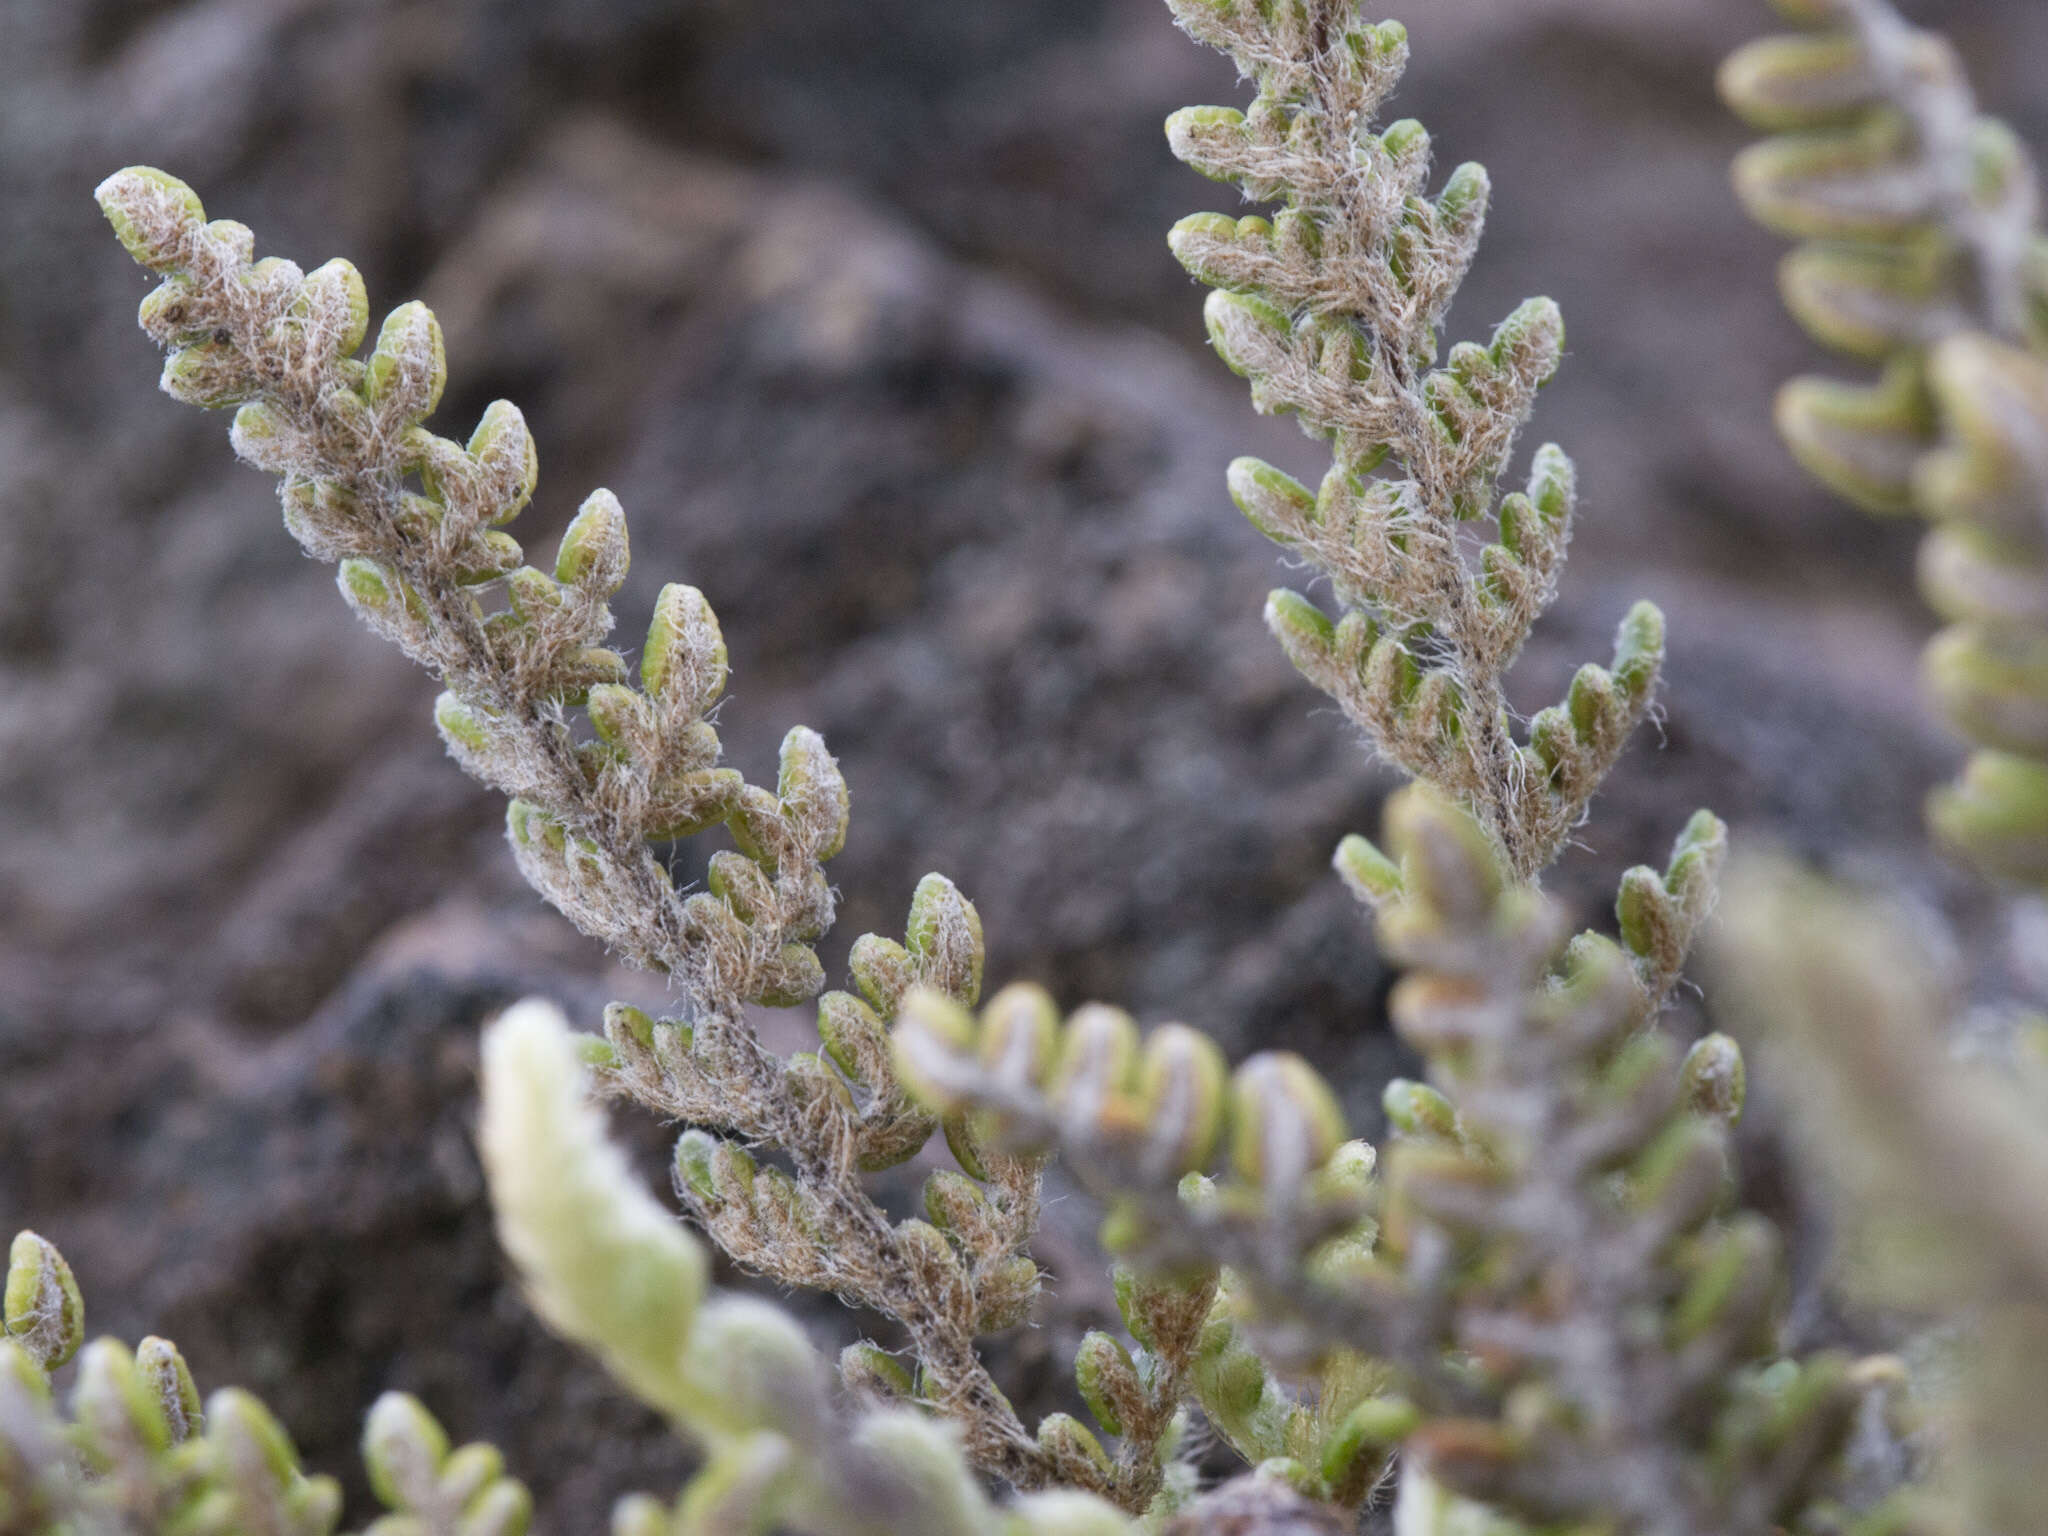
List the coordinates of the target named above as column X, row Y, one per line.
column 1331, row 309
column 1923, row 253
column 1567, row 1321
column 602, row 766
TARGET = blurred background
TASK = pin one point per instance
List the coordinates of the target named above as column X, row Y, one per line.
column 864, row 309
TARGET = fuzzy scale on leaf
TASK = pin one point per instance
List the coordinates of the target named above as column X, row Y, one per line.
column 516, row 646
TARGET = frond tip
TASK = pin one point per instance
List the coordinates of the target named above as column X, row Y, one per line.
column 516, row 645
column 1330, row 309
column 602, row 1262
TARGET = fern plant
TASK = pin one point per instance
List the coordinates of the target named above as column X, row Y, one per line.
column 1557, row 1123
column 600, row 772
column 1922, row 253
column 1542, row 1306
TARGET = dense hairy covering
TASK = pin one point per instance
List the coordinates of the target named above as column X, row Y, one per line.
column 1332, row 310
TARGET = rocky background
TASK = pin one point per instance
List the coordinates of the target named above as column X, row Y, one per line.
column 864, row 309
